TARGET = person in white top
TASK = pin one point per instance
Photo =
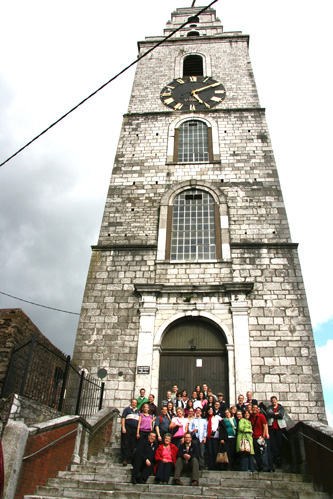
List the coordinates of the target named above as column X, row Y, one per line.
column 198, row 430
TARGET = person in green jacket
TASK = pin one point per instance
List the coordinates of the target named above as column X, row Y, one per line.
column 245, row 432
column 142, row 399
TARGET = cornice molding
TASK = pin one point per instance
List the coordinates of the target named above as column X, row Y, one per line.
column 193, row 114
column 123, row 247
column 227, row 287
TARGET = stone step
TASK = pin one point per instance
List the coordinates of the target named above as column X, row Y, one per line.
column 135, row 495
column 87, row 472
column 239, row 475
column 144, row 495
column 244, row 481
column 165, row 491
column 103, row 477
column 247, row 488
column 100, row 469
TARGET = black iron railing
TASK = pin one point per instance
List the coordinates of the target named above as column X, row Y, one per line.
column 39, row 373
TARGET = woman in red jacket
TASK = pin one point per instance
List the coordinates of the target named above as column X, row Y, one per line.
column 165, row 459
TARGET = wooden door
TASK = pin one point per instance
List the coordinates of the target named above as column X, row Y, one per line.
column 184, row 371
column 193, row 353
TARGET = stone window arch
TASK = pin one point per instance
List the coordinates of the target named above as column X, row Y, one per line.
column 193, row 140
column 194, row 224
column 180, row 61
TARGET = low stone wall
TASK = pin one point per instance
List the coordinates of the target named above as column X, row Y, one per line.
column 36, row 470
column 35, row 454
column 30, row 411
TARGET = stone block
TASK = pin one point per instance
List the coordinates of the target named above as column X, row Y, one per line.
column 272, row 361
column 287, row 361
column 271, row 378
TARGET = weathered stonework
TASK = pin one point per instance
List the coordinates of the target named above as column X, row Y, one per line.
column 254, row 294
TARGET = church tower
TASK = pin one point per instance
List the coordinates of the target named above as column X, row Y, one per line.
column 195, row 277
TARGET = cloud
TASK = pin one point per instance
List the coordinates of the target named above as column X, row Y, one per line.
column 52, row 194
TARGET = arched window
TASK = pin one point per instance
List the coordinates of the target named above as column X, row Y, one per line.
column 193, row 65
column 193, row 33
column 193, row 142
column 193, row 235
column 193, row 223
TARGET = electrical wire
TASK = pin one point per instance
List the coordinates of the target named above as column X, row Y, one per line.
column 73, row 109
column 104, row 85
column 38, row 304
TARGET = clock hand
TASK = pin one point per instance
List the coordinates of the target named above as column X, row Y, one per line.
column 197, row 97
column 204, row 88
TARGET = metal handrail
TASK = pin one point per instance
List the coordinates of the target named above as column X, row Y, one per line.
column 50, row 444
column 315, row 441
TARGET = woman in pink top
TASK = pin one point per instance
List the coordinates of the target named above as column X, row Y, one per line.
column 165, row 459
column 202, row 399
column 145, row 424
column 178, row 426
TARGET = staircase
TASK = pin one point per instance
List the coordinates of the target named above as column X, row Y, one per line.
column 103, row 477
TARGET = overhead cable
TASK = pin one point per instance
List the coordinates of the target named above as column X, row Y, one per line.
column 38, row 304
column 105, row 84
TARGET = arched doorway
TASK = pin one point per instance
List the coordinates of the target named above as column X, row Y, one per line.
column 193, row 351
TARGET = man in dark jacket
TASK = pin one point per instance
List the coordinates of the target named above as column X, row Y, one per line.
column 241, row 406
column 129, row 424
column 143, row 459
column 188, row 457
column 276, row 424
column 152, row 407
column 162, row 423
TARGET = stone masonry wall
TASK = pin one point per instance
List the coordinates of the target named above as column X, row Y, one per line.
column 276, row 321
column 247, row 175
column 283, row 354
column 109, row 320
column 17, row 329
column 230, row 64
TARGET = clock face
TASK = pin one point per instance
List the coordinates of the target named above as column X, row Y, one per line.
column 193, row 93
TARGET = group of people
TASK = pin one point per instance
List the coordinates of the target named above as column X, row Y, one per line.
column 191, row 431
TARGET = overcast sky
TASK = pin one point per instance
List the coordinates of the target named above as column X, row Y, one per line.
column 52, row 195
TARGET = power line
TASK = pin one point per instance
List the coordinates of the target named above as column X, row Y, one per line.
column 38, row 304
column 105, row 84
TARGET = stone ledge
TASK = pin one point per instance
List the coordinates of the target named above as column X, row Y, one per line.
column 203, row 111
column 264, row 245
column 229, row 287
column 122, row 247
